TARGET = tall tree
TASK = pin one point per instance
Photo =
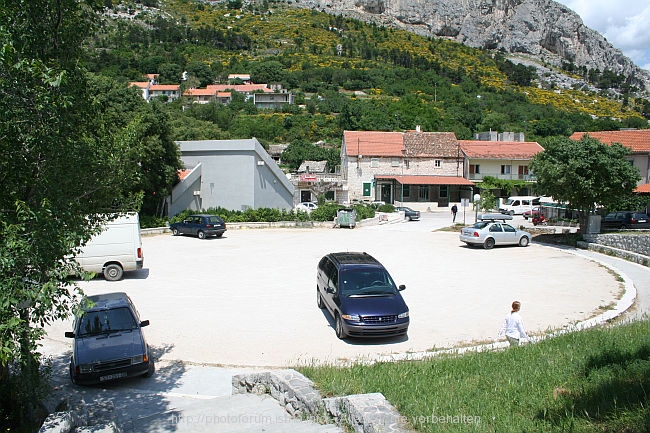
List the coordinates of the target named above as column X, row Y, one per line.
column 61, row 176
column 584, row 173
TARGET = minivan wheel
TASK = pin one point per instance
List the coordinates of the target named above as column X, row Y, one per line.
column 201, row 234
column 175, row 232
column 523, row 242
column 488, row 244
column 319, row 299
column 340, row 333
column 113, row 272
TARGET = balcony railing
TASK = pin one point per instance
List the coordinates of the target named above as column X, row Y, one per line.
column 512, row 176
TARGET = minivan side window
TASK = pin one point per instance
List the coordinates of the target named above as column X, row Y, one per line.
column 333, row 277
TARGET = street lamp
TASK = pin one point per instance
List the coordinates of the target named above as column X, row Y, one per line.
column 477, row 197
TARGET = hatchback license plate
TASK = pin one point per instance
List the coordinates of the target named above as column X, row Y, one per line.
column 112, row 376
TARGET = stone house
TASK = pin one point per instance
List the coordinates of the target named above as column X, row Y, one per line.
column 419, row 169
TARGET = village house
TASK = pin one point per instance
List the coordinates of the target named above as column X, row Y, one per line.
column 414, row 168
column 637, row 140
column 508, row 160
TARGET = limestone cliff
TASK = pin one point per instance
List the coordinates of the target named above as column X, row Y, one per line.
column 543, row 29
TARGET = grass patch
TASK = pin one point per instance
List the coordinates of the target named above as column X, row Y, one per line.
column 596, row 380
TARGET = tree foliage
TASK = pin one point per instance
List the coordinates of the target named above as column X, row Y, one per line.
column 585, row 173
column 70, row 162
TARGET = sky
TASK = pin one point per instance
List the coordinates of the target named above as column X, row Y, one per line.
column 624, row 23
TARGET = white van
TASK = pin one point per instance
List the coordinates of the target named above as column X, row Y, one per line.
column 518, row 204
column 118, row 248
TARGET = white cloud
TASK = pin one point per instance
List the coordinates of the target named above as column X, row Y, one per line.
column 624, row 23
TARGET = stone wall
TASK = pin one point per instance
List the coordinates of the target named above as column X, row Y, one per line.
column 636, row 243
column 364, row 413
column 632, row 247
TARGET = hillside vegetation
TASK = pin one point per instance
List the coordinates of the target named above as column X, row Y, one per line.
column 345, row 75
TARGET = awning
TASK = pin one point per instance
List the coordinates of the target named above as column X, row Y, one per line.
column 427, row 180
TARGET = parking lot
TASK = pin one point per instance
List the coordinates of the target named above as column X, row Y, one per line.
column 249, row 298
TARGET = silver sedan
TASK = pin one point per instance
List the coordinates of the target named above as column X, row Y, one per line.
column 493, row 230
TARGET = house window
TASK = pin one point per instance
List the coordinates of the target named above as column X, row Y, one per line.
column 506, row 169
column 406, row 190
column 523, row 171
column 423, row 193
column 394, row 162
column 474, row 169
column 374, row 162
column 437, row 163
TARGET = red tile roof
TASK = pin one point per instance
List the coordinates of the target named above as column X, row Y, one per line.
column 638, row 139
column 373, row 143
column 242, row 88
column 522, row 150
column 161, row 87
column 401, row 144
column 140, row 84
column 200, row 92
column 645, row 188
column 182, row 174
column 428, row 180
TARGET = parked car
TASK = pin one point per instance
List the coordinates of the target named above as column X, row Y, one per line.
column 626, row 220
column 536, row 211
column 115, row 250
column 306, row 206
column 491, row 230
column 108, row 341
column 517, row 205
column 408, row 212
column 200, row 226
column 361, row 296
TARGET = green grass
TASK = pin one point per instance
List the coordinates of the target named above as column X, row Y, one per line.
column 590, row 381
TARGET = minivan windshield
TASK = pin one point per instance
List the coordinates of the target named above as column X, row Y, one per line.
column 367, row 282
column 105, row 321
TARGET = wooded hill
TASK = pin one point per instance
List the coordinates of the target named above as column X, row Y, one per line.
column 345, row 75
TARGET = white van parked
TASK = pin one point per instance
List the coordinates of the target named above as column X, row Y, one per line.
column 118, row 248
column 518, row 204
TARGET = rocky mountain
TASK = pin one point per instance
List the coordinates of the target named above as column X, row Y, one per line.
column 542, row 29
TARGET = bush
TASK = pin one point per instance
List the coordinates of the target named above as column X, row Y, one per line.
column 325, row 212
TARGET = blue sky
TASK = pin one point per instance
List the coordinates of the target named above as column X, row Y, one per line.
column 623, row 22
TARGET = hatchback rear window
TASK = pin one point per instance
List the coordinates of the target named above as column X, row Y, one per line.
column 214, row 220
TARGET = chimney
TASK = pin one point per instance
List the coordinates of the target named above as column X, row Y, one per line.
column 417, row 128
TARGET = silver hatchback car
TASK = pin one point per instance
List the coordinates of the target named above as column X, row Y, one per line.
column 491, row 230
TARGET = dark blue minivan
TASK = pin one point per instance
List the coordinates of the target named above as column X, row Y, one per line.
column 108, row 341
column 361, row 296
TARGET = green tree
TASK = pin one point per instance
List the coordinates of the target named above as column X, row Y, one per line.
column 584, row 173
column 62, row 177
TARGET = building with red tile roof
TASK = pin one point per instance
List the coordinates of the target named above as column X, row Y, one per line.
column 637, row 140
column 415, row 168
column 501, row 159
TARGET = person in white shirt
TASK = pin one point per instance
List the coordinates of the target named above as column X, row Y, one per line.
column 513, row 326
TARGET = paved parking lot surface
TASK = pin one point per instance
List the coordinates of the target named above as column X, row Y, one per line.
column 249, row 298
